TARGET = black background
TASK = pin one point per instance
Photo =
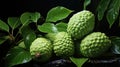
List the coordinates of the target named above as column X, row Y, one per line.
column 10, row 8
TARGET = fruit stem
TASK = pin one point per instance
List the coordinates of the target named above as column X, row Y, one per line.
column 37, row 55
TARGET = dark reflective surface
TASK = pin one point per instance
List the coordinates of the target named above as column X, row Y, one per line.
column 66, row 63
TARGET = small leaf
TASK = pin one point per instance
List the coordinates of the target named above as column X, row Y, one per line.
column 86, row 3
column 22, row 45
column 28, row 36
column 29, row 17
column 3, row 39
column 57, row 13
column 14, row 22
column 4, row 26
column 47, row 28
column 115, row 45
column 102, row 7
column 17, row 56
column 113, row 12
column 61, row 26
column 78, row 61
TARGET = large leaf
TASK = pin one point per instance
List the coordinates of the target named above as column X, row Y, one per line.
column 113, row 11
column 17, row 55
column 3, row 39
column 57, row 13
column 86, row 3
column 4, row 26
column 61, row 26
column 14, row 22
column 78, row 61
column 29, row 17
column 102, row 7
column 28, row 36
column 47, row 28
column 115, row 45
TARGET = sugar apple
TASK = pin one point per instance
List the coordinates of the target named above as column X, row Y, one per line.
column 41, row 49
column 80, row 24
column 94, row 44
column 63, row 45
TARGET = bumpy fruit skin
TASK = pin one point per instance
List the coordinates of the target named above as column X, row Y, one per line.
column 41, row 49
column 80, row 24
column 63, row 45
column 94, row 44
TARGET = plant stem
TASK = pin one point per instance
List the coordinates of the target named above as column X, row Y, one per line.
column 12, row 38
column 18, row 31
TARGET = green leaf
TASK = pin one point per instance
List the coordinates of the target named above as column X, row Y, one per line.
column 113, row 12
column 86, row 3
column 78, row 61
column 28, row 36
column 14, row 22
column 114, row 3
column 17, row 56
column 22, row 44
column 61, row 26
column 112, row 16
column 57, row 13
column 115, row 45
column 3, row 39
column 29, row 17
column 47, row 28
column 102, row 7
column 4, row 26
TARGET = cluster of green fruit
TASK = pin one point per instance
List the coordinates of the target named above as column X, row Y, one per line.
column 62, row 44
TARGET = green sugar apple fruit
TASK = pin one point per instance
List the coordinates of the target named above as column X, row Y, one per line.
column 63, row 45
column 41, row 49
column 94, row 44
column 80, row 24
